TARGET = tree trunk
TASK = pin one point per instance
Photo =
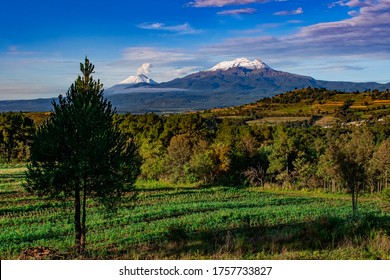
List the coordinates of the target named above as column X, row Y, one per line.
column 77, row 224
column 83, row 227
column 354, row 200
column 83, row 219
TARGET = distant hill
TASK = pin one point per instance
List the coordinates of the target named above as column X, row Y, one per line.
column 33, row 105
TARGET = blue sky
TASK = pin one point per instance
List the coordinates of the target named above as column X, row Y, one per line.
column 42, row 42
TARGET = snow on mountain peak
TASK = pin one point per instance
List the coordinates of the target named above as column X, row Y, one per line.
column 138, row 79
column 240, row 62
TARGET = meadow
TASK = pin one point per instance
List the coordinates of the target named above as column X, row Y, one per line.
column 188, row 221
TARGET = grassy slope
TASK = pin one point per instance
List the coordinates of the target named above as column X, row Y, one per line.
column 184, row 221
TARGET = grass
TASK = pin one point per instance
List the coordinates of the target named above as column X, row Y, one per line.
column 194, row 222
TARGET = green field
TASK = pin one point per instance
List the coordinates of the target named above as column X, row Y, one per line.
column 193, row 222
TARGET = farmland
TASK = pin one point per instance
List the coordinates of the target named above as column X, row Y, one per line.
column 306, row 103
column 188, row 221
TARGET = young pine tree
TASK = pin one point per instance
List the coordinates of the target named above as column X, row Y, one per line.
column 78, row 153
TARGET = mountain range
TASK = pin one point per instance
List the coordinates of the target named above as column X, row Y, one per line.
column 229, row 83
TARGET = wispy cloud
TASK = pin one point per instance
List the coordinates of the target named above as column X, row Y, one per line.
column 364, row 35
column 222, row 3
column 294, row 21
column 245, row 11
column 353, row 13
column 21, row 76
column 180, row 72
column 168, row 63
column 358, row 3
column 352, row 3
column 21, row 90
column 180, row 29
column 298, row 11
column 159, row 56
column 342, row 68
column 14, row 50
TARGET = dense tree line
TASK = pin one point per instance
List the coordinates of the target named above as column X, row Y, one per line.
column 16, row 131
column 298, row 95
column 191, row 148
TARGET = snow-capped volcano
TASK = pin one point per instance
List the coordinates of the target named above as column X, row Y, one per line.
column 138, row 79
column 229, row 83
column 240, row 63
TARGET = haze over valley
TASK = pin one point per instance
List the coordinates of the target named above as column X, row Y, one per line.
column 228, row 83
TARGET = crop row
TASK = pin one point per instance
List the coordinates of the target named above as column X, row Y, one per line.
column 138, row 230
column 36, row 212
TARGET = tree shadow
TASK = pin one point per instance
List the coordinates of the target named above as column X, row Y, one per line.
column 324, row 233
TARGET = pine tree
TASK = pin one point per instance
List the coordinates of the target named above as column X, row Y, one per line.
column 79, row 152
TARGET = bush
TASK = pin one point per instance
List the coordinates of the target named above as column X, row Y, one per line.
column 255, row 176
column 386, row 199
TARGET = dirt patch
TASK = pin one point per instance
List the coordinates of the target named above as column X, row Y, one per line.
column 326, row 121
column 273, row 120
column 358, row 107
column 40, row 253
column 382, row 101
column 12, row 170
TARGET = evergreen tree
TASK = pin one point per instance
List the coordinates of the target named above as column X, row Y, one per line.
column 79, row 153
column 282, row 156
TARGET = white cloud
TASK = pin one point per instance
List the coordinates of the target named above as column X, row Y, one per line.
column 354, row 3
column 245, row 11
column 180, row 29
column 295, row 21
column 158, row 56
column 366, row 34
column 15, row 50
column 181, row 72
column 298, row 11
column 168, row 63
column 144, row 69
column 222, row 3
column 353, row 13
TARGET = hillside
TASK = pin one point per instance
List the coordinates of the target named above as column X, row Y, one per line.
column 319, row 106
column 311, row 105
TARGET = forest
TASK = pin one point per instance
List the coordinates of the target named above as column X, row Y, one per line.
column 212, row 148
